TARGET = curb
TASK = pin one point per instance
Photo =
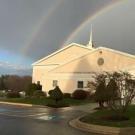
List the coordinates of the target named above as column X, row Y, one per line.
column 105, row 130
column 27, row 105
column 20, row 104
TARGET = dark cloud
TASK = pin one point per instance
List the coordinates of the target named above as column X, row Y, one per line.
column 59, row 25
column 114, row 28
column 35, row 28
column 19, row 19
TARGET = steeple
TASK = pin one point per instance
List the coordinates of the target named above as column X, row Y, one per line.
column 90, row 44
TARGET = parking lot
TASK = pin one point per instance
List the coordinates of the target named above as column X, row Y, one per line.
column 20, row 120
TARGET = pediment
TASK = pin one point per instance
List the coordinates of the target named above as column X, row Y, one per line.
column 100, row 59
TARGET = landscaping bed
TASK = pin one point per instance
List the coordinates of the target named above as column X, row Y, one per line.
column 47, row 101
column 107, row 117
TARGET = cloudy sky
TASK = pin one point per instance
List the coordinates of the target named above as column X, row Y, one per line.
column 32, row 29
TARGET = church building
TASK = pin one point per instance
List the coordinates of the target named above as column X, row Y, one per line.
column 73, row 66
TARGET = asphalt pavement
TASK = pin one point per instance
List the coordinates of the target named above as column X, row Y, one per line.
column 20, row 120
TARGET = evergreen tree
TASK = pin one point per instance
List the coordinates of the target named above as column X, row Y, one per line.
column 56, row 94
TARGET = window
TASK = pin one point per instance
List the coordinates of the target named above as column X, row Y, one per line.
column 55, row 83
column 80, row 84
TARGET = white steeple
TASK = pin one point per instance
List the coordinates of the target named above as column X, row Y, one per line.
column 90, row 44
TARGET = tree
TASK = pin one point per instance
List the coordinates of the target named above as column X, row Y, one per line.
column 32, row 88
column 117, row 89
column 122, row 90
column 17, row 83
column 100, row 94
column 92, row 86
column 39, row 86
column 3, row 79
column 56, row 94
column 111, row 91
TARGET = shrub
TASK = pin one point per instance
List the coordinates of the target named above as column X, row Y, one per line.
column 79, row 94
column 115, row 117
column 67, row 95
column 22, row 93
column 39, row 94
column 49, row 92
column 56, row 94
column 92, row 96
column 88, row 94
column 38, row 86
column 58, row 105
column 32, row 88
column 12, row 94
column 2, row 94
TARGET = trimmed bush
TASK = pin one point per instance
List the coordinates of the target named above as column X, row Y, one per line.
column 38, row 86
column 56, row 94
column 49, row 92
column 67, row 95
column 39, row 94
column 13, row 94
column 79, row 94
column 58, row 105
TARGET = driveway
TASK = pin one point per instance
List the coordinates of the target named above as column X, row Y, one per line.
column 16, row 120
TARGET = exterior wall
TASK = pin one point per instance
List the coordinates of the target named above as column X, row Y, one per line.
column 39, row 72
column 79, row 69
column 66, row 82
column 112, row 62
column 131, row 70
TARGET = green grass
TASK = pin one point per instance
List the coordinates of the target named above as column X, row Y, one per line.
column 96, row 118
column 46, row 101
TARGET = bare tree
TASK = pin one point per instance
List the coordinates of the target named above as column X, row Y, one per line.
column 121, row 86
column 17, row 83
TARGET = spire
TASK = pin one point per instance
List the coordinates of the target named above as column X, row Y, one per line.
column 90, row 44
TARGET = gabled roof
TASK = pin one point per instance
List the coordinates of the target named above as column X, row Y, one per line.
column 118, row 52
column 60, row 50
column 94, row 50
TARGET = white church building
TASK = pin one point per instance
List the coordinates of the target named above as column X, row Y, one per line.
column 73, row 66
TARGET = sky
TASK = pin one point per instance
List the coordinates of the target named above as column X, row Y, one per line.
column 32, row 29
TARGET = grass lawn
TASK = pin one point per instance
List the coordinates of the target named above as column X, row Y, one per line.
column 96, row 118
column 46, row 101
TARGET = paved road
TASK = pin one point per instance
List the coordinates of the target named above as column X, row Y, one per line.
column 16, row 120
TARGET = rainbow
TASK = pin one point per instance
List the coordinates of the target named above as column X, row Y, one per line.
column 88, row 20
column 41, row 23
column 49, row 13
